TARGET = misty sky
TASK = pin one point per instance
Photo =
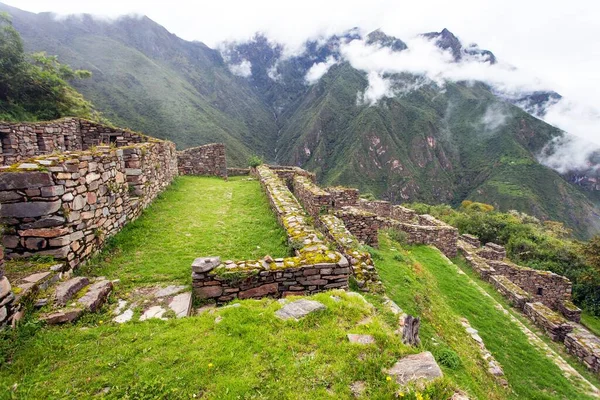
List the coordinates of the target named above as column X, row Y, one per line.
column 557, row 41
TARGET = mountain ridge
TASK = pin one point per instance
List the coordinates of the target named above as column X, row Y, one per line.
column 460, row 142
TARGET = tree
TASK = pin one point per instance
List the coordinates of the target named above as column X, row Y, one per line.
column 36, row 87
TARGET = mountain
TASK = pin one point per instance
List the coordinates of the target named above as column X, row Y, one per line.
column 426, row 143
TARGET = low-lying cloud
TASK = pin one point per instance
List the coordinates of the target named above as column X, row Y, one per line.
column 243, row 69
column 319, row 69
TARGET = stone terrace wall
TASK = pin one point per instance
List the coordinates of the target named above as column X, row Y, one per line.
column 403, row 214
column 543, row 286
column 288, row 174
column 21, row 141
column 203, row 160
column 379, row 207
column 315, row 200
column 71, row 203
column 238, row 171
column 343, row 196
column 314, row 268
column 362, row 224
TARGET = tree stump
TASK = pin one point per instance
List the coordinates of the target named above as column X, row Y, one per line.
column 410, row 331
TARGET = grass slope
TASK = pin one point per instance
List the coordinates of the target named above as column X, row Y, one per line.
column 422, row 282
column 194, row 217
column 249, row 354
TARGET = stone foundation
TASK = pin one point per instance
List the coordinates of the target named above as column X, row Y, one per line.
column 207, row 160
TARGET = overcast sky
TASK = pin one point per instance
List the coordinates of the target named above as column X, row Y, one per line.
column 557, row 41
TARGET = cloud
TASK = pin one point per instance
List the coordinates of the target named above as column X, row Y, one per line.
column 318, row 70
column 378, row 88
column 243, row 69
column 495, row 117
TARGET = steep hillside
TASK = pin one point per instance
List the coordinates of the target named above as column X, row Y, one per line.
column 150, row 80
column 438, row 144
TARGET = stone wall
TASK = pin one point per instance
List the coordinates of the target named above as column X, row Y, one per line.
column 470, row 239
column 517, row 296
column 585, row 346
column 22, row 141
column 203, row 160
column 363, row 267
column 238, row 171
column 362, row 224
column 403, row 214
column 555, row 326
column 343, row 196
column 66, row 205
column 378, row 207
column 315, row 200
column 444, row 237
column 312, row 269
column 543, row 286
column 287, row 174
column 492, row 251
column 7, row 298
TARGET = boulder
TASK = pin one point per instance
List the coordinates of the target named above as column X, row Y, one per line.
column 414, row 367
column 299, row 309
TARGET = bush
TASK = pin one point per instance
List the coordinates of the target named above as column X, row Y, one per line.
column 255, row 161
column 447, row 357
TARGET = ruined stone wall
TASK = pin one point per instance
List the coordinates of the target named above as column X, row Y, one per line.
column 555, row 326
column 315, row 200
column 362, row 224
column 379, row 207
column 585, row 346
column 444, row 237
column 22, row 141
column 7, row 298
column 287, row 174
column 68, row 204
column 312, row 269
column 203, row 160
column 343, row 196
column 543, row 286
column 403, row 214
column 238, row 171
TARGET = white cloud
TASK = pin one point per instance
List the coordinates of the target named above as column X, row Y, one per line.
column 495, row 117
column 243, row 69
column 379, row 87
column 318, row 70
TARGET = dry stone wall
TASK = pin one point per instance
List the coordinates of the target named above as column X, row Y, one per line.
column 315, row 200
column 343, row 196
column 207, row 160
column 555, row 326
column 66, row 205
column 21, row 141
column 312, row 269
column 362, row 224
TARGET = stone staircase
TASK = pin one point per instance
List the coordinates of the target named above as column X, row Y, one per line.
column 60, row 297
column 159, row 302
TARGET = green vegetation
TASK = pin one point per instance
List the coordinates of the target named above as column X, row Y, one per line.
column 250, row 353
column 255, row 161
column 34, row 87
column 541, row 245
column 194, row 217
column 422, row 282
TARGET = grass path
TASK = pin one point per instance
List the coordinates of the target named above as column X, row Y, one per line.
column 194, row 217
column 424, row 282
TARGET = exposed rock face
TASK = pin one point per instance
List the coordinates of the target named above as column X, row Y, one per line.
column 415, row 367
column 299, row 309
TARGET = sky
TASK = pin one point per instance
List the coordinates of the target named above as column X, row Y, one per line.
column 557, row 42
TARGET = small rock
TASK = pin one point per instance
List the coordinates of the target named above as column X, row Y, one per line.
column 168, row 291
column 39, row 303
column 35, row 278
column 357, row 388
column 153, row 312
column 181, row 304
column 62, row 316
column 299, row 309
column 126, row 316
column 337, row 299
column 361, row 339
column 120, row 306
column 218, row 319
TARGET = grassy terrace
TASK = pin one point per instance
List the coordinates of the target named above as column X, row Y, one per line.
column 423, row 282
column 195, row 217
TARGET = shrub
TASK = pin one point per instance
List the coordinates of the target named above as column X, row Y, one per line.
column 447, row 357
column 254, row 161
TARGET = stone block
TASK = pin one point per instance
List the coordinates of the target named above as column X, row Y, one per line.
column 24, row 180
column 30, row 209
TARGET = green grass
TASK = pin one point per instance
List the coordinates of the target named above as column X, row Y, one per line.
column 591, row 322
column 249, row 354
column 422, row 282
column 194, row 217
